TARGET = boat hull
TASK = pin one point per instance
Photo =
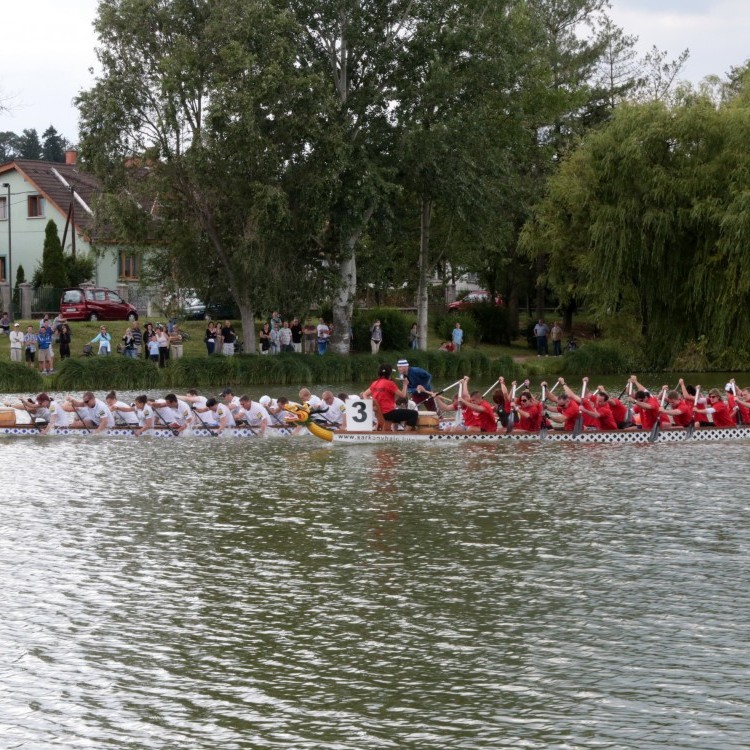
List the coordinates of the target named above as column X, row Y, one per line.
column 157, row 432
column 611, row 437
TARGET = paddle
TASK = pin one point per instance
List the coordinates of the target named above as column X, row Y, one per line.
column 543, row 426
column 512, row 412
column 200, row 419
column 31, row 416
column 83, row 423
column 653, row 437
column 690, row 429
column 175, row 432
column 452, row 385
column 578, row 427
column 738, row 411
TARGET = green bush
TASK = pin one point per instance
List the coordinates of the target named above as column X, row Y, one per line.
column 446, row 322
column 15, row 378
column 104, row 373
column 598, row 359
column 492, row 325
column 395, row 325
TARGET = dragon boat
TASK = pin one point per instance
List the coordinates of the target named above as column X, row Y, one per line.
column 429, row 432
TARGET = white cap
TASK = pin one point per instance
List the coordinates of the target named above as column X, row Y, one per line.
column 264, row 400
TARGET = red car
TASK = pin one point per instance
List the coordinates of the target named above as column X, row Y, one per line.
column 95, row 303
column 472, row 298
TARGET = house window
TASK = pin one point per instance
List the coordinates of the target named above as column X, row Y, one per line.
column 2, row 268
column 3, row 208
column 128, row 265
column 36, row 206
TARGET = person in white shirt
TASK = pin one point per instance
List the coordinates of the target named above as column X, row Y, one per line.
column 145, row 414
column 176, row 412
column 306, row 397
column 96, row 414
column 254, row 415
column 193, row 398
column 121, row 411
column 336, row 413
column 324, row 333
column 216, row 415
column 231, row 401
column 16, row 344
column 60, row 415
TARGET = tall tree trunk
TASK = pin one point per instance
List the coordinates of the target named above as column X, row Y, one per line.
column 568, row 311
column 424, row 273
column 343, row 301
column 247, row 316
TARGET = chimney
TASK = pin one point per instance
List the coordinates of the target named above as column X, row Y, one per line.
column 71, row 156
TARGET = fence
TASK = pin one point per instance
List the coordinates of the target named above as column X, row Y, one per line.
column 45, row 299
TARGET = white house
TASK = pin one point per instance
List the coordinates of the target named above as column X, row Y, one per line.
column 33, row 192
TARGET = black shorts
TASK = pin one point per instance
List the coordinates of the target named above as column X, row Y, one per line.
column 30, row 355
column 409, row 416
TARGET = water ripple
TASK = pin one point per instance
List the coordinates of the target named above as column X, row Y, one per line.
column 276, row 594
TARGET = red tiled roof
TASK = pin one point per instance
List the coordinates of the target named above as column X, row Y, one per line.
column 41, row 174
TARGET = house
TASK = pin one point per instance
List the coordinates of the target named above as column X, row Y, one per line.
column 33, row 192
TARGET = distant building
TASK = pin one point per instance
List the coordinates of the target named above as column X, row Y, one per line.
column 44, row 190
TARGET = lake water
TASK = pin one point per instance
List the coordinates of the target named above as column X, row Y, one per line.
column 286, row 593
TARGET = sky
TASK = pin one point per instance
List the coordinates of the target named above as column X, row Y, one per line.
column 46, row 55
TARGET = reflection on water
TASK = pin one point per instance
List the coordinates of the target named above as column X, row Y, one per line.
column 278, row 594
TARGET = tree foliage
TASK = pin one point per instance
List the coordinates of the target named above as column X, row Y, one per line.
column 53, row 271
column 650, row 219
column 53, row 145
column 223, row 122
column 28, row 145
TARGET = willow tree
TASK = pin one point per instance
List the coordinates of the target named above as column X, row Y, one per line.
column 203, row 126
column 650, row 217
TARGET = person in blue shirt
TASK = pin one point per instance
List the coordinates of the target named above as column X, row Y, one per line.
column 418, row 381
column 458, row 337
column 44, row 344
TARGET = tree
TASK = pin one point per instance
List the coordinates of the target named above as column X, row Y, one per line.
column 204, row 125
column 659, row 75
column 54, row 145
column 457, row 123
column 20, row 279
column 8, row 146
column 53, row 272
column 650, row 217
column 29, row 145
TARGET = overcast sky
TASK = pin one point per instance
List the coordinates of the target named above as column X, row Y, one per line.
column 48, row 48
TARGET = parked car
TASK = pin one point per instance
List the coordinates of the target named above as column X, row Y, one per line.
column 95, row 303
column 472, row 298
column 197, row 310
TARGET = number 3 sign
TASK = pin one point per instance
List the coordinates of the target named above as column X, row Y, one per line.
column 359, row 415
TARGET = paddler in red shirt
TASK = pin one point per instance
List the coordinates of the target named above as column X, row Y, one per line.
column 600, row 411
column 529, row 412
column 718, row 409
column 479, row 416
column 742, row 399
column 567, row 411
column 679, row 409
column 587, row 404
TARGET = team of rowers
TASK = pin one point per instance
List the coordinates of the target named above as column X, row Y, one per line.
column 635, row 408
column 177, row 413
column 514, row 408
